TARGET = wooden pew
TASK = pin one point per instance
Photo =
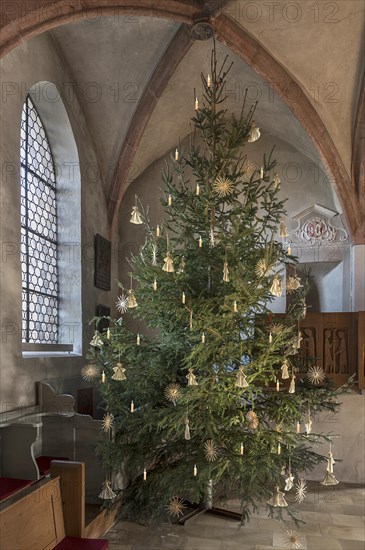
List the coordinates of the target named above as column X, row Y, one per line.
column 29, row 437
column 70, row 434
column 35, row 522
column 80, row 519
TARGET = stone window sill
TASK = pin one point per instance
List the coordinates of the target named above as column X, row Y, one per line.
column 48, row 350
column 30, row 354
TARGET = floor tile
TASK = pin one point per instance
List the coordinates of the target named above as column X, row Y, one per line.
column 353, row 510
column 343, row 532
column 282, row 540
column 190, row 543
column 316, row 517
column 237, row 546
column 352, row 544
column 346, row 519
column 269, row 524
column 323, row 543
column 331, row 523
column 307, row 527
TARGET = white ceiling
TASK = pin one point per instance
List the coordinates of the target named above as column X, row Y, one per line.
column 115, row 57
column 111, row 60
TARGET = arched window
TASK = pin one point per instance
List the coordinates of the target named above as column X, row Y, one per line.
column 38, row 231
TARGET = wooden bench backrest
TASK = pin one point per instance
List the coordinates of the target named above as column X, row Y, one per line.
column 35, row 522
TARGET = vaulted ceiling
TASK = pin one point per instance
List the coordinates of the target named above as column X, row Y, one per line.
column 136, row 69
column 112, row 73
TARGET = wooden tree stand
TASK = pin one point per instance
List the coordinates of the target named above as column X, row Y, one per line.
column 198, row 511
column 207, row 507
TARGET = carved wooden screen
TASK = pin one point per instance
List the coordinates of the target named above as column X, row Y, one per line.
column 332, row 339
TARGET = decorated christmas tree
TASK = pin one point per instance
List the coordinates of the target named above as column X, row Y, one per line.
column 213, row 398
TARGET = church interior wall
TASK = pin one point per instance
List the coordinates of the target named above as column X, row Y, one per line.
column 37, row 60
column 336, row 267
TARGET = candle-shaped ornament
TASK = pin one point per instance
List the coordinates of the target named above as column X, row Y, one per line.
column 298, row 427
column 261, row 173
column 108, row 334
column 277, row 385
column 154, row 285
column 187, row 429
column 279, row 448
column 103, row 377
column 235, row 309
column 158, row 231
column 276, row 181
column 195, row 470
column 183, row 298
column 138, row 340
column 196, row 103
column 200, row 242
column 283, row 230
column 209, row 81
column 144, row 474
column 176, row 154
column 132, row 407
column 169, row 200
column 203, row 338
column 225, row 272
column 270, row 338
column 289, row 250
column 197, row 190
column 242, row 449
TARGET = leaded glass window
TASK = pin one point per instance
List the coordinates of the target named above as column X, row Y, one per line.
column 38, row 231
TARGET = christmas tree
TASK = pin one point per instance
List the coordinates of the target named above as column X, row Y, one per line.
column 215, row 398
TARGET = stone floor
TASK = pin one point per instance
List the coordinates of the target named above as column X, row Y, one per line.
column 334, row 520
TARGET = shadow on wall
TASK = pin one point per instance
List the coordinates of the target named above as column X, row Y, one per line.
column 326, row 286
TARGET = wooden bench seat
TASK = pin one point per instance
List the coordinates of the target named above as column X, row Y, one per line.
column 44, row 463
column 35, row 522
column 75, row 543
column 9, row 486
column 34, row 436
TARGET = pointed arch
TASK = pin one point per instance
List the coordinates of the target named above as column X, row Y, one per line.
column 18, row 26
column 255, row 55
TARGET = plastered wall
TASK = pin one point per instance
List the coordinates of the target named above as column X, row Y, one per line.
column 35, row 61
column 38, row 60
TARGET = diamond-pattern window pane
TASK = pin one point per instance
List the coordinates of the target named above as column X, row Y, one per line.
column 38, row 212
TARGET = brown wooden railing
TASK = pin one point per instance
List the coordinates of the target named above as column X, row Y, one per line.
column 337, row 341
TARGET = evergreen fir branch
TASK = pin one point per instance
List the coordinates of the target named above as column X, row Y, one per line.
column 221, row 331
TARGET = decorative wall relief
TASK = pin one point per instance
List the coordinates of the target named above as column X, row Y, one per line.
column 334, row 341
column 335, row 351
column 317, row 229
column 308, row 348
column 319, row 225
